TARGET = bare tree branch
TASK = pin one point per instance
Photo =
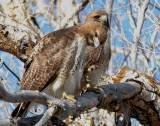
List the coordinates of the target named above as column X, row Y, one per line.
column 81, row 5
column 47, row 116
column 154, row 5
column 86, row 101
column 26, row 95
column 30, row 19
column 17, row 39
column 139, row 90
column 140, row 20
column 3, row 63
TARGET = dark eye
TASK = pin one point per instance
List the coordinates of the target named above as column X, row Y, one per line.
column 97, row 16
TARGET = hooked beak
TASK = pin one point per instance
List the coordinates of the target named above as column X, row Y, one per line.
column 103, row 18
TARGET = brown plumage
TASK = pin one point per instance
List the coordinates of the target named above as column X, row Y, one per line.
column 60, row 60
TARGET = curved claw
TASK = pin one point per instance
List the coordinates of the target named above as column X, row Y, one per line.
column 70, row 97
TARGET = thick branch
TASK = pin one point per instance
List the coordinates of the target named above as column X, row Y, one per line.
column 85, row 102
column 27, row 95
column 145, row 106
column 140, row 91
column 16, row 39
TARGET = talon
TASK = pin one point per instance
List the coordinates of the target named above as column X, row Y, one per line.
column 95, row 89
column 70, row 97
column 100, row 89
column 85, row 90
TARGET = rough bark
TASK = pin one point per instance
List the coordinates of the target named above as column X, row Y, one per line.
column 134, row 94
column 16, row 39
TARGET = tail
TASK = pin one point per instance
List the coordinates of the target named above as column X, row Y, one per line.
column 20, row 110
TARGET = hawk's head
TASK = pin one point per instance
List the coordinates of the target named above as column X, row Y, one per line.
column 96, row 27
column 98, row 16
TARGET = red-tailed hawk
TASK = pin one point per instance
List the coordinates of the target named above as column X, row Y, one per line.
column 60, row 61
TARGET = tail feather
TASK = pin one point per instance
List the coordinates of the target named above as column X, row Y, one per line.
column 20, row 110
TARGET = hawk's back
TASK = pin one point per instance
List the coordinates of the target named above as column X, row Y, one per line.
column 47, row 58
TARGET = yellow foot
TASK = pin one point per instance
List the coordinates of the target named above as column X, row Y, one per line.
column 70, row 97
column 85, row 89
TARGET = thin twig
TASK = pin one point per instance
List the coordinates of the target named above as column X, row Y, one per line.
column 11, row 71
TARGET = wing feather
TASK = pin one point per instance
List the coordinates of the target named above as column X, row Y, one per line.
column 47, row 59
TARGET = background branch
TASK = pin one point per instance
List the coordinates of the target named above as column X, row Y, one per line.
column 140, row 20
column 81, row 5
